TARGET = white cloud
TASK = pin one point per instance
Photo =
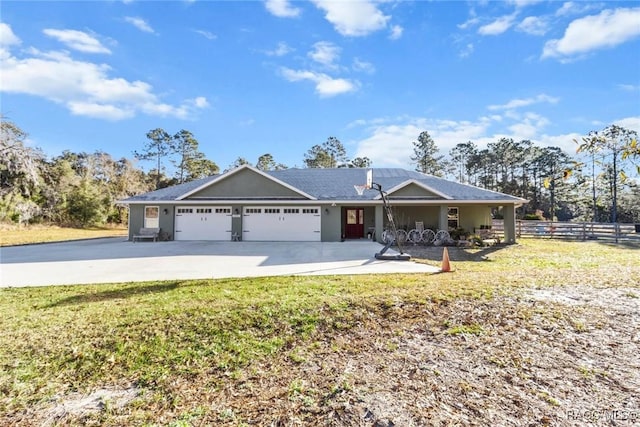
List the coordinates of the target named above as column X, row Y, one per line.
column 533, row 25
column 281, row 50
column 466, row 51
column 629, row 88
column 86, row 88
column 363, row 66
column 140, row 24
column 77, row 40
column 631, row 123
column 566, row 8
column 563, row 141
column 353, row 18
column 396, row 32
column 468, row 23
column 529, row 126
column 200, row 102
column 206, row 34
column 607, row 29
column 576, row 8
column 282, row 8
column 517, row 103
column 326, row 86
column 7, row 37
column 499, row 26
column 325, row 53
column 523, row 3
column 102, row 111
column 390, row 144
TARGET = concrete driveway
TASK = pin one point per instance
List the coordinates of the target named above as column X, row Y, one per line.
column 117, row 260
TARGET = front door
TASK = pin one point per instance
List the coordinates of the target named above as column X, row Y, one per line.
column 354, row 228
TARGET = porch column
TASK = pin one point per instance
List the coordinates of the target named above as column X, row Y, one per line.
column 443, row 218
column 379, row 222
column 509, row 212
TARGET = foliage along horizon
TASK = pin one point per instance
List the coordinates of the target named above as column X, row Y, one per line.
column 81, row 189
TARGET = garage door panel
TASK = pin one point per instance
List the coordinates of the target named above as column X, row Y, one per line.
column 203, row 223
column 286, row 223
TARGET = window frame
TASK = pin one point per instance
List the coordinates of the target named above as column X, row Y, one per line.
column 147, row 221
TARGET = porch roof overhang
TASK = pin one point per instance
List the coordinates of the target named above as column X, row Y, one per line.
column 414, row 182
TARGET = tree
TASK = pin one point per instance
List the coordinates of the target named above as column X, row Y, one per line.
column 617, row 144
column 330, row 154
column 237, row 163
column 555, row 167
column 20, row 166
column 159, row 145
column 87, row 206
column 21, row 170
column 317, row 157
column 267, row 163
column 361, row 162
column 482, row 168
column 425, row 155
column 460, row 156
column 186, row 146
column 508, row 155
column 191, row 163
column 201, row 167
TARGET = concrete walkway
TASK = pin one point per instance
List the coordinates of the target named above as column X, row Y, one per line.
column 113, row 260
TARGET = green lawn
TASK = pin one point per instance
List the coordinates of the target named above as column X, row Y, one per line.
column 203, row 334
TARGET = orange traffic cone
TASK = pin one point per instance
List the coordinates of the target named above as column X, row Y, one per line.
column 445, row 261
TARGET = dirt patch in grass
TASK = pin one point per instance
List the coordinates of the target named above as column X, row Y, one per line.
column 556, row 356
column 79, row 406
column 536, row 361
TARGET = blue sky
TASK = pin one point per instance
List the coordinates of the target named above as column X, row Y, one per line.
column 278, row 77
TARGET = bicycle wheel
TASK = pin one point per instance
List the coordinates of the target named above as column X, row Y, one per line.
column 401, row 236
column 387, row 236
column 443, row 235
column 415, row 236
column 428, row 236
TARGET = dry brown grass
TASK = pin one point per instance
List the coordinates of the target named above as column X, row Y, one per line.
column 11, row 235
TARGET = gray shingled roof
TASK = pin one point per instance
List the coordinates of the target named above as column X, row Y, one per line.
column 170, row 193
column 337, row 184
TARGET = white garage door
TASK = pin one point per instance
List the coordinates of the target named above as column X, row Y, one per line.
column 281, row 223
column 203, row 223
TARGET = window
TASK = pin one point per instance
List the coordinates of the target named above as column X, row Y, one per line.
column 453, row 218
column 185, row 210
column 223, row 210
column 272, row 210
column 291, row 211
column 203, row 210
column 310, row 211
column 253, row 210
column 355, row 216
column 151, row 217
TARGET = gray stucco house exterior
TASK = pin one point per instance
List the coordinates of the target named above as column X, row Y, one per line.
column 313, row 205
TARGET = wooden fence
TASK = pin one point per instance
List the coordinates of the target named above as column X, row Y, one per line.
column 572, row 230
